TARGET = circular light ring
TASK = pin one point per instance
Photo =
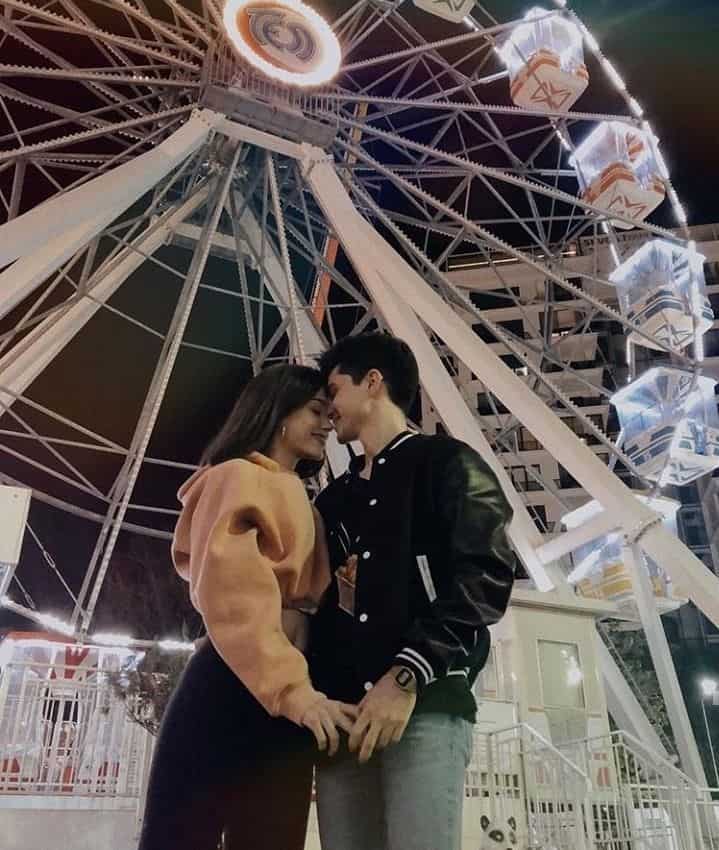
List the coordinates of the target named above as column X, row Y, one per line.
column 244, row 18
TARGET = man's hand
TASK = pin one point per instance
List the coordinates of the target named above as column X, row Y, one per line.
column 324, row 717
column 383, row 716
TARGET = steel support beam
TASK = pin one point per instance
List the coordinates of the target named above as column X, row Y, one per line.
column 22, row 364
column 642, row 525
column 53, row 231
column 692, row 765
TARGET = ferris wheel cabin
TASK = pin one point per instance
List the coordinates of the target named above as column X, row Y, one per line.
column 661, row 288
column 670, row 424
column 618, row 171
column 545, row 61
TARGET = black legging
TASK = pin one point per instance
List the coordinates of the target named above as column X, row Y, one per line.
column 222, row 764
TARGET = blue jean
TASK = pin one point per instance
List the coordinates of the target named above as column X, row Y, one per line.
column 407, row 797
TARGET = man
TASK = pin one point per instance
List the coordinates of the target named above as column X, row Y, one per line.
column 416, row 530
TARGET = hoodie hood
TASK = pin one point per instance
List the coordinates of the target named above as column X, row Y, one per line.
column 189, row 495
column 255, row 457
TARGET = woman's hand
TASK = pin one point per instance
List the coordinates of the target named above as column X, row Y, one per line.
column 296, row 626
column 323, row 719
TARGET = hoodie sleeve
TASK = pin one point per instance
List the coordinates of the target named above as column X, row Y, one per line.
column 235, row 529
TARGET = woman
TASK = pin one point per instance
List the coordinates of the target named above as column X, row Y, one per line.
column 234, row 755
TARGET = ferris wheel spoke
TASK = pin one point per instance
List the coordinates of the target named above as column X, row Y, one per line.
column 111, row 53
column 377, row 18
column 66, row 25
column 97, row 88
column 520, row 255
column 494, row 173
column 195, row 24
column 70, row 117
column 86, row 135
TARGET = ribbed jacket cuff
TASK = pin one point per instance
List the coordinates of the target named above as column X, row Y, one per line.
column 418, row 664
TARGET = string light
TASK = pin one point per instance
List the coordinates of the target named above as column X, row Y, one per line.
column 109, row 639
column 614, row 75
column 636, row 108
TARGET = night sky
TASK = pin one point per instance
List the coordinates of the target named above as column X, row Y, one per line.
column 666, row 52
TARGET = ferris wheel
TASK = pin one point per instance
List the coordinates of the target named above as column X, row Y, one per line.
column 475, row 178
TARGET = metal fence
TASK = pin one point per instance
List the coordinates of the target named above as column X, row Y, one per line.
column 521, row 791
column 224, row 68
column 65, row 733
column 639, row 800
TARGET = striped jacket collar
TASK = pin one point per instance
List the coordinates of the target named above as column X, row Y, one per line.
column 357, row 463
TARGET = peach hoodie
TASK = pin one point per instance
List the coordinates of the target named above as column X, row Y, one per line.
column 249, row 543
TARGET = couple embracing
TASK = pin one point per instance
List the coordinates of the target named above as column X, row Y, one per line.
column 342, row 638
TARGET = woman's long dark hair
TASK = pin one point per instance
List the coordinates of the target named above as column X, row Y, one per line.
column 263, row 405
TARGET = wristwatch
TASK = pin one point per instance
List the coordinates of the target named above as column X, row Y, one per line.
column 405, row 679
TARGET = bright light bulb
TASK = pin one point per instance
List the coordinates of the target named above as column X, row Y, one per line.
column 708, row 686
column 636, row 107
column 170, row 645
column 55, row 624
column 592, row 42
column 111, row 639
column 614, row 75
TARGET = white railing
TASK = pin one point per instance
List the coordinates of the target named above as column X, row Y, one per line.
column 61, row 735
column 521, row 786
column 641, row 801
column 224, row 68
column 64, row 731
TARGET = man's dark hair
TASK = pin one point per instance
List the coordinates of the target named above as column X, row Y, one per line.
column 356, row 355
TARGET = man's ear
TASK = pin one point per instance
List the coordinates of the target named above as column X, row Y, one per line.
column 375, row 379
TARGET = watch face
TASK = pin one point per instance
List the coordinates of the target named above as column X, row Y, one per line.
column 404, row 678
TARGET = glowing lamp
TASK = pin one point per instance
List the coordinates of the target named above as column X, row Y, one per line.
column 284, row 39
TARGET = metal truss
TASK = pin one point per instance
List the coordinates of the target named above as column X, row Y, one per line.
column 118, row 170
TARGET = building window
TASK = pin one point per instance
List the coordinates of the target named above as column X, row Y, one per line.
column 561, row 674
column 527, row 442
column 692, row 529
column 566, row 480
column 539, row 515
column 523, row 480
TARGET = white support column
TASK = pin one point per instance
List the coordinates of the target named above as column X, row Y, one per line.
column 684, row 568
column 460, row 421
column 568, row 541
column 375, row 268
column 22, row 364
column 664, row 665
column 275, row 281
column 56, row 229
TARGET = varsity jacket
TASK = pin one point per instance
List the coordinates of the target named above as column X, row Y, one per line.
column 425, row 539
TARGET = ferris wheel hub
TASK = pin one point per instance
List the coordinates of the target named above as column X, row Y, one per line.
column 286, row 40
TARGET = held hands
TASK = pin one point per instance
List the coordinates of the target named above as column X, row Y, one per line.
column 324, row 717
column 383, row 717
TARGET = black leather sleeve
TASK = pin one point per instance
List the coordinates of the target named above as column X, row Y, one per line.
column 476, row 571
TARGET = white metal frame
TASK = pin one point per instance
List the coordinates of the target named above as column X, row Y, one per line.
column 198, row 161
